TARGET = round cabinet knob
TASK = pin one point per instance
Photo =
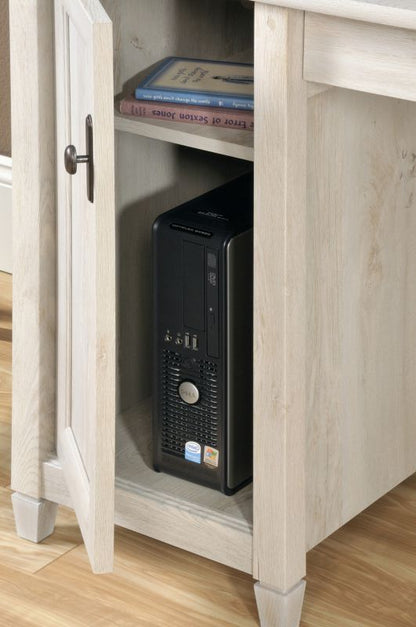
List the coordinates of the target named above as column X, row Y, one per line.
column 188, row 392
column 71, row 159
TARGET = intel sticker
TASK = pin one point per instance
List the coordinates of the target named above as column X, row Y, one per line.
column 193, row 452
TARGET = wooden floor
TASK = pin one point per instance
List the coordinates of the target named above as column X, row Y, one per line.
column 365, row 574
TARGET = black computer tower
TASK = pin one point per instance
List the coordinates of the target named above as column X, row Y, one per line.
column 203, row 282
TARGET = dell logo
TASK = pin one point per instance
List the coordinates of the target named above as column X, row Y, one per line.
column 212, row 214
column 188, row 392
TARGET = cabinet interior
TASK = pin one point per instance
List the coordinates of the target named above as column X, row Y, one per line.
column 159, row 166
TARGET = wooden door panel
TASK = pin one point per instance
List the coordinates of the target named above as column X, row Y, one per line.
column 86, row 274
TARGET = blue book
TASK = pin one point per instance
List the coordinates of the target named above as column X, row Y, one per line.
column 199, row 82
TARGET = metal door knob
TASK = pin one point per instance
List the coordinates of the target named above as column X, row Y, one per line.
column 71, row 159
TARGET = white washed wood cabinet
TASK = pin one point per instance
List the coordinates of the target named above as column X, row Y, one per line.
column 334, row 265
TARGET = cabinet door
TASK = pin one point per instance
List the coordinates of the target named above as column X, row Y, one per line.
column 86, row 281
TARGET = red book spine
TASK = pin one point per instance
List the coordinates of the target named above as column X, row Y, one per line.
column 171, row 112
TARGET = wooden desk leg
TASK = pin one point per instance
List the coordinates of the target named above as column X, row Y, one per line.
column 279, row 315
column 276, row 608
column 34, row 257
column 35, row 518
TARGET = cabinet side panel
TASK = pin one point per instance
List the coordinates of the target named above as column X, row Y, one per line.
column 279, row 299
column 33, row 140
column 361, row 304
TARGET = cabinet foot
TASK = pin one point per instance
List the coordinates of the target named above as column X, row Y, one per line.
column 278, row 609
column 34, row 518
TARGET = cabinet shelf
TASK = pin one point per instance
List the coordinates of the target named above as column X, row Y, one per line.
column 164, row 507
column 223, row 141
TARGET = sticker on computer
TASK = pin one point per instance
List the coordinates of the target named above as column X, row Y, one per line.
column 211, row 456
column 193, row 452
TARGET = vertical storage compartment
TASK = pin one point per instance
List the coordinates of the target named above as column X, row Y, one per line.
column 158, row 166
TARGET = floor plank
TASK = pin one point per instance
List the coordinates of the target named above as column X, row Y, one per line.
column 5, row 300
column 27, row 600
column 160, row 585
column 5, row 436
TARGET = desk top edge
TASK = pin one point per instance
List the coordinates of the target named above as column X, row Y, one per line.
column 398, row 13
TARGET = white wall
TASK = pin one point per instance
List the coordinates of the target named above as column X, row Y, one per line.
column 5, row 214
column 5, row 139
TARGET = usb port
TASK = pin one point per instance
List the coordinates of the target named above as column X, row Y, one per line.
column 187, row 340
column 194, row 342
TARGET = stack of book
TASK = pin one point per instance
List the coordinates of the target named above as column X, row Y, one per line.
column 197, row 91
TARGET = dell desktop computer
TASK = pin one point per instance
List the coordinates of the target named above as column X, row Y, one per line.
column 203, row 328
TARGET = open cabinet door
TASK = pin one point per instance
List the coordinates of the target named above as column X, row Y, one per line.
column 86, row 275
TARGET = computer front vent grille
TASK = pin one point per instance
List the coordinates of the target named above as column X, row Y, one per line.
column 180, row 422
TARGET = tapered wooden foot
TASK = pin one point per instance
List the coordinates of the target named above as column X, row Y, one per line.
column 34, row 518
column 277, row 609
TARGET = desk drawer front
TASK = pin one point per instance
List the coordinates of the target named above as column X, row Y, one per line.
column 361, row 56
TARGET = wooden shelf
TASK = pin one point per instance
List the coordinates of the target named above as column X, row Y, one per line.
column 179, row 512
column 224, row 141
